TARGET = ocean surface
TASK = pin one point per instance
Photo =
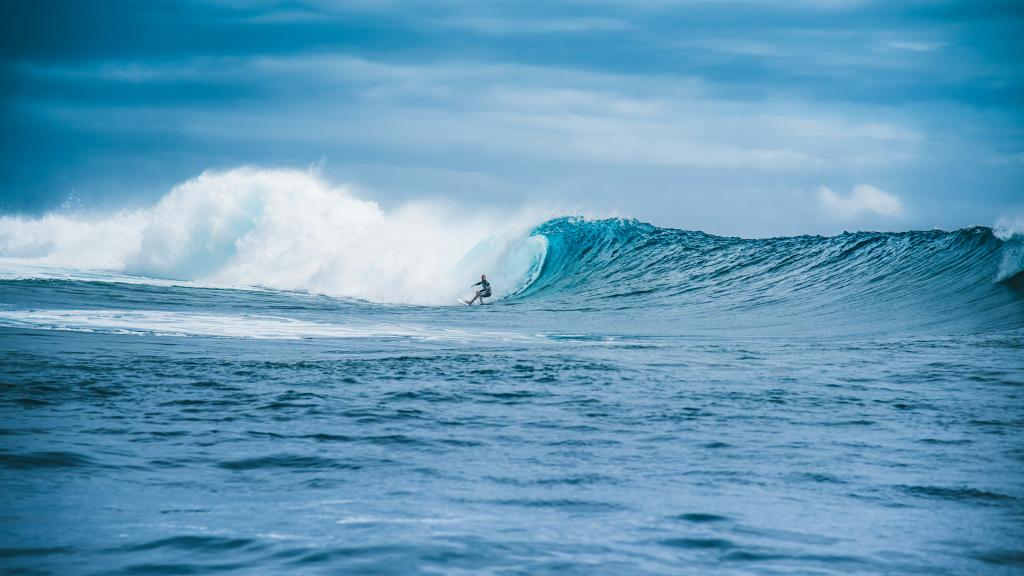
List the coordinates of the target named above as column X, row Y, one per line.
column 635, row 400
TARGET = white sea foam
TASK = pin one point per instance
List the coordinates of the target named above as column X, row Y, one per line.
column 287, row 230
column 172, row 323
column 1007, row 227
column 1011, row 232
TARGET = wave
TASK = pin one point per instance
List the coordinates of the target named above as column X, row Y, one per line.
column 620, row 258
column 285, row 230
column 973, row 275
column 289, row 230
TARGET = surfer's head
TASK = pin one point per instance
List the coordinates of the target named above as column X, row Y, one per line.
column 483, row 276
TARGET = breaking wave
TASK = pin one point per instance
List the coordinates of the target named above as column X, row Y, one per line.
column 285, row 230
column 289, row 230
column 971, row 276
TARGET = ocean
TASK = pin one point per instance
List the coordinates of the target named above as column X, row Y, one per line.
column 634, row 400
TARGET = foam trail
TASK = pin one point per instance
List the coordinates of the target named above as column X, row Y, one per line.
column 287, row 230
column 170, row 323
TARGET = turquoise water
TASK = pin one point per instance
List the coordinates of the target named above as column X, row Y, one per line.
column 639, row 400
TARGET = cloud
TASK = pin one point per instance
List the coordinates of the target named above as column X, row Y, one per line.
column 1007, row 159
column 778, row 4
column 669, row 109
column 864, row 199
column 916, row 46
column 508, row 26
column 532, row 113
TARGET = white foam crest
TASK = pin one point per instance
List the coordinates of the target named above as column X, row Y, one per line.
column 287, row 230
column 1007, row 227
column 73, row 240
column 172, row 323
column 1011, row 232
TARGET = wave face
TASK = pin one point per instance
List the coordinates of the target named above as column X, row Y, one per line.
column 867, row 281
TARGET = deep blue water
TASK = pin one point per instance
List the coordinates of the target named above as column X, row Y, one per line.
column 642, row 401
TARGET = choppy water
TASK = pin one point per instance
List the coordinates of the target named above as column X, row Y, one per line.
column 641, row 400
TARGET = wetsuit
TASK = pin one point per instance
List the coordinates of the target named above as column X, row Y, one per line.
column 485, row 288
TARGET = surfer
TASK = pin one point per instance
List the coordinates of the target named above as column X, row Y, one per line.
column 483, row 292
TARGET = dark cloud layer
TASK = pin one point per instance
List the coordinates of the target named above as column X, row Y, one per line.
column 674, row 111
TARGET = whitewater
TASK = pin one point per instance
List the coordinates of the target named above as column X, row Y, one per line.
column 285, row 230
column 265, row 372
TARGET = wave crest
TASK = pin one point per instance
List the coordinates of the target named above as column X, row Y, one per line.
column 843, row 283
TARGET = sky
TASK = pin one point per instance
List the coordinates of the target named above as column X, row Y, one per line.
column 739, row 117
